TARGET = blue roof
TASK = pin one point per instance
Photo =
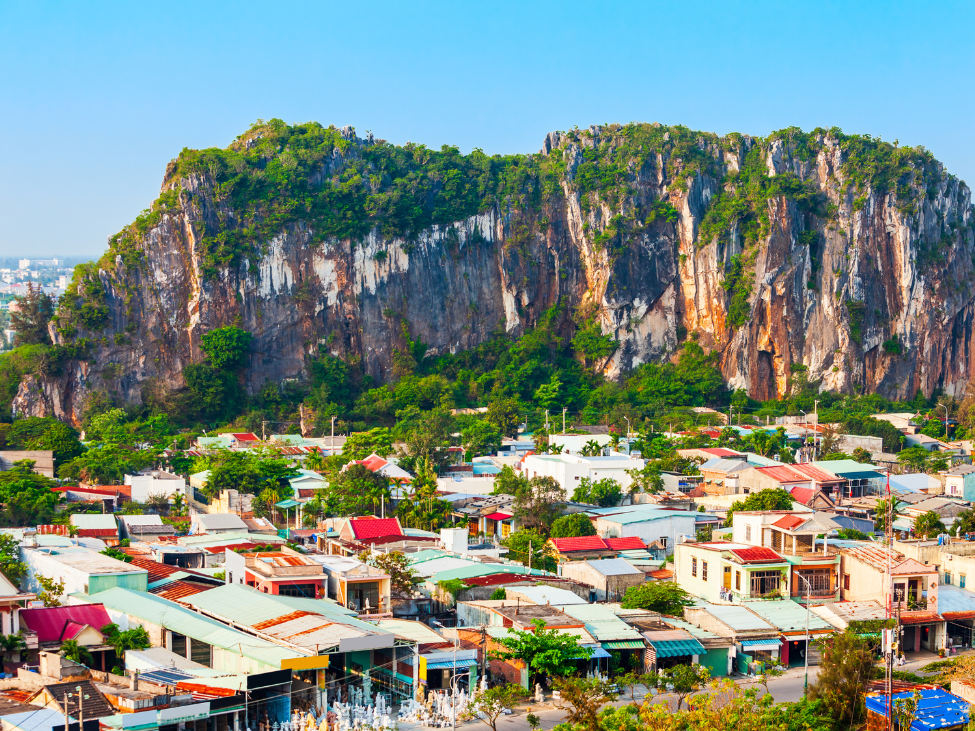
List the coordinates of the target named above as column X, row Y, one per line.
column 953, row 599
column 935, row 710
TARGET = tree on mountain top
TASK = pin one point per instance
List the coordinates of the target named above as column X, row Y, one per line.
column 31, row 316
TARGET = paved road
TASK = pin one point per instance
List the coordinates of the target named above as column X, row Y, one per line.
column 788, row 688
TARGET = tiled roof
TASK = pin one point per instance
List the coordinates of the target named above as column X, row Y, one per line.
column 629, row 543
column 50, row 622
column 921, row 617
column 757, row 554
column 366, row 528
column 580, row 543
column 156, row 570
column 803, row 494
column 789, row 522
column 373, row 462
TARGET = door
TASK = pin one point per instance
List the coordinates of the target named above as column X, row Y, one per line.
column 727, row 577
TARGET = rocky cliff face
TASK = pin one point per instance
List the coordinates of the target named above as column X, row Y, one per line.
column 843, row 256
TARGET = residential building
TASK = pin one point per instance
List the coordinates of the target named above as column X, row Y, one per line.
column 216, row 523
column 155, row 483
column 93, row 525
column 724, row 571
column 930, row 444
column 716, row 648
column 489, row 516
column 649, row 523
column 12, row 601
column 50, row 627
column 799, row 629
column 83, row 571
column 756, row 642
column 608, row 577
column 579, row 549
column 144, row 527
column 569, row 469
column 905, row 422
column 959, row 482
column 354, row 584
column 381, row 466
column 43, row 460
column 575, row 443
column 861, row 479
column 285, row 572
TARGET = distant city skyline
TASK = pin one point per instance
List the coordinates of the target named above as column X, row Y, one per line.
column 100, row 97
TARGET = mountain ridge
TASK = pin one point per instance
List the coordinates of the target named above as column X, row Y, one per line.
column 842, row 257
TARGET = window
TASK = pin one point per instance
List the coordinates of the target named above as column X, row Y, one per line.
column 200, row 652
column 961, row 581
column 947, row 578
column 748, row 533
column 302, row 590
column 704, row 570
column 819, row 582
column 846, row 582
column 177, row 644
column 764, row 582
column 694, row 566
column 738, row 581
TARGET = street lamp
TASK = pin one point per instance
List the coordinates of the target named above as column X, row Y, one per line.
column 805, row 429
column 453, row 678
column 805, row 683
column 943, row 406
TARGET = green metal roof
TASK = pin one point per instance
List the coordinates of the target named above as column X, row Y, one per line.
column 848, row 468
column 426, row 555
column 247, row 606
column 156, row 610
column 481, row 569
column 673, row 648
column 646, row 516
column 286, row 504
column 626, row 645
column 221, row 539
column 786, row 615
column 94, row 521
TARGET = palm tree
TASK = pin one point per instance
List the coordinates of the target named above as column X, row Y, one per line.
column 159, row 503
column 315, row 461
column 10, row 645
column 71, row 650
column 179, row 503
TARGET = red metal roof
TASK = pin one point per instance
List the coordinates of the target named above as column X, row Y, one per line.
column 366, row 528
column 781, row 473
column 580, row 543
column 53, row 530
column 246, row 437
column 373, row 462
column 756, row 555
column 814, row 473
column 720, row 451
column 921, row 617
column 223, row 547
column 803, row 494
column 50, row 623
column 156, row 570
column 661, row 574
column 789, row 522
column 98, row 533
column 176, row 590
column 629, row 543
column 498, row 516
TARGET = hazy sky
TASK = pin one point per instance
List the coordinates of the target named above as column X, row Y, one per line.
column 97, row 97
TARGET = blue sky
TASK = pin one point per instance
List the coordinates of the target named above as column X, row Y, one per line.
column 98, row 97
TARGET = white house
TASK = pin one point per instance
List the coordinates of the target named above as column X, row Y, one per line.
column 569, row 469
column 647, row 522
column 82, row 571
column 574, row 443
column 155, row 483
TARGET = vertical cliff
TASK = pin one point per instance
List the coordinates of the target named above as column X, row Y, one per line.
column 844, row 256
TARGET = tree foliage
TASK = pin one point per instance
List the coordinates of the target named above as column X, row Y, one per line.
column 665, row 597
column 226, row 347
column 30, row 318
column 572, row 525
column 547, row 652
column 777, row 499
column 846, row 666
column 605, row 492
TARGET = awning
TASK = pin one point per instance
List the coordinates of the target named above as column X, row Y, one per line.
column 673, row 648
column 597, row 652
column 624, row 645
column 285, row 504
column 449, row 664
column 498, row 516
column 759, row 644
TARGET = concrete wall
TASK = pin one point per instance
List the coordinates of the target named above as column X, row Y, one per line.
column 574, row 443
column 669, row 527
column 696, row 585
column 43, row 460
column 848, row 442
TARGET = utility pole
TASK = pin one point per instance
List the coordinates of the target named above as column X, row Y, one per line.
column 546, row 421
column 263, row 435
column 816, row 437
column 529, row 557
column 331, row 443
column 564, row 409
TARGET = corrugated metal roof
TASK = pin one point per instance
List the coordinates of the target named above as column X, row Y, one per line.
column 364, row 529
column 94, row 521
column 220, row 521
column 757, row 555
column 248, row 606
column 547, row 595
column 444, row 563
column 49, row 622
column 580, row 543
column 168, row 614
column 483, row 569
column 613, row 566
column 735, row 616
column 786, row 615
column 629, row 543
column 410, row 630
column 952, row 599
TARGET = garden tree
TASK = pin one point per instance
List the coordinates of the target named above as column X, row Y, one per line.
column 592, row 448
column 572, row 525
column 27, row 499
column 862, row 455
column 538, row 504
column 11, row 645
column 829, row 439
column 499, row 594
column 528, row 547
column 632, row 679
column 881, row 512
column 52, row 592
column 179, row 503
column 769, row 673
column 264, row 504
column 914, row 458
column 777, row 499
column 847, row 664
column 665, row 597
column 905, row 709
column 503, row 414
column 429, row 440
column 315, row 508
column 928, row 525
column 423, row 508
column 118, row 555
column 540, row 440
column 547, row 652
column 10, row 564
column 46, row 432
column 582, row 698
column 965, row 523
column 647, row 479
column 315, row 460
column 357, row 491
column 683, row 680
column 488, row 705
column 226, row 347
column 403, row 579
column 249, row 472
column 508, row 482
column 606, row 492
column 30, row 318
column 71, row 650
column 360, row 445
column 851, row 534
column 480, row 438
column 107, row 464
column 122, row 641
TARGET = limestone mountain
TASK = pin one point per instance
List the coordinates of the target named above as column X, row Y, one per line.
column 844, row 256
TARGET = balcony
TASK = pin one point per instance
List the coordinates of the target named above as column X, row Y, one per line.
column 814, row 594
